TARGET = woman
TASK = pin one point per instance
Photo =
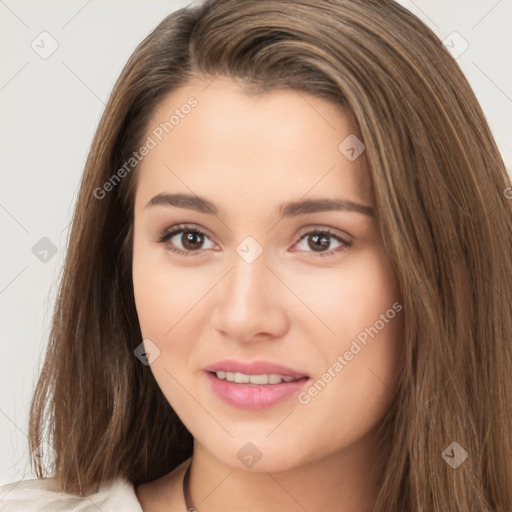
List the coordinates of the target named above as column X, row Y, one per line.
column 288, row 277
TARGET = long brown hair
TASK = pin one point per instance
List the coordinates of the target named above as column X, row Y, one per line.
column 440, row 188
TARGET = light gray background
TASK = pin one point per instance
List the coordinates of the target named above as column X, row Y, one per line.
column 49, row 110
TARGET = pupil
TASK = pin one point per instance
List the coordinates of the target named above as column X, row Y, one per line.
column 192, row 239
column 323, row 241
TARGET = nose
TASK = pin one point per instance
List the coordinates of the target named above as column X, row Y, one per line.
column 251, row 303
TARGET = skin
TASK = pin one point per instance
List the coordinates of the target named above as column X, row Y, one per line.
column 247, row 154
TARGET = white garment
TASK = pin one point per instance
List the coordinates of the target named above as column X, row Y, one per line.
column 40, row 495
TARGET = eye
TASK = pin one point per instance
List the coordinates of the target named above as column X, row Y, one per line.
column 191, row 239
column 320, row 239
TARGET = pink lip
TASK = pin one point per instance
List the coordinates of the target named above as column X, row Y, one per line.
column 254, row 396
column 254, row 368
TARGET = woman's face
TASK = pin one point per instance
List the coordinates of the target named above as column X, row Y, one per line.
column 262, row 280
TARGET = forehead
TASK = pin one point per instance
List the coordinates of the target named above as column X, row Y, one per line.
column 214, row 139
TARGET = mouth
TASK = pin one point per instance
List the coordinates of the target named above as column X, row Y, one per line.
column 254, row 372
column 261, row 386
column 265, row 379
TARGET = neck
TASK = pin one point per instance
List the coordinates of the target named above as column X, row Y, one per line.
column 346, row 481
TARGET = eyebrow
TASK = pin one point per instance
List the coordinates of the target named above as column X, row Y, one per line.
column 289, row 209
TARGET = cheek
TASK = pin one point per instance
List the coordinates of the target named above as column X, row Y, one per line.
column 163, row 298
column 362, row 359
column 163, row 294
column 358, row 300
column 168, row 300
column 355, row 390
column 378, row 327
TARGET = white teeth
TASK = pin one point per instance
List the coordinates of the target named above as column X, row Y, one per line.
column 260, row 379
column 273, row 378
column 242, row 378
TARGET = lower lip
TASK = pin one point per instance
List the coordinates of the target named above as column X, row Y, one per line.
column 254, row 396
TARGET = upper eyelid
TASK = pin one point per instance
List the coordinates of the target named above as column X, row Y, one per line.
column 178, row 228
column 335, row 233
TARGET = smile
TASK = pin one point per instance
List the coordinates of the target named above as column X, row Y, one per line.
column 243, row 378
column 253, row 392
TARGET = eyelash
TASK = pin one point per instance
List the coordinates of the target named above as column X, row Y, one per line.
column 179, row 228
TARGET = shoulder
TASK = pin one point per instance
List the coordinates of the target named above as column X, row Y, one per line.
column 38, row 494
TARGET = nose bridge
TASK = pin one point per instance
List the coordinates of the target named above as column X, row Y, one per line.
column 247, row 304
column 249, row 276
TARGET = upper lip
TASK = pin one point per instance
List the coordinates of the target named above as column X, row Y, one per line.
column 254, row 368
